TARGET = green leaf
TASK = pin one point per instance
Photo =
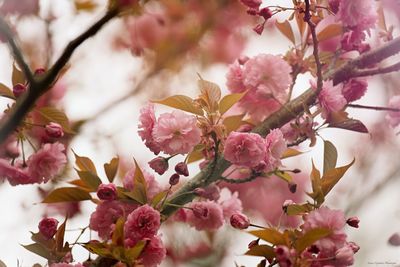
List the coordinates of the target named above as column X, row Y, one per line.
column 6, row 92
column 330, row 156
column 54, row 115
column 139, row 183
column 332, row 177
column 228, row 101
column 232, row 123
column 84, row 163
column 296, row 209
column 67, row 194
column 98, row 249
column 90, row 179
column 310, row 238
column 261, row 251
column 111, row 169
column 181, row 102
column 158, row 198
column 17, row 76
column 38, row 250
column 284, row 176
column 286, row 29
column 133, row 253
column 270, row 235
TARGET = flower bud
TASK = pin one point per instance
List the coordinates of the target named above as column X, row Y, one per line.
column 174, row 179
column 253, row 243
column 54, row 130
column 19, row 89
column 159, row 165
column 181, row 168
column 265, row 13
column 251, row 3
column 200, row 212
column 394, row 240
column 353, row 222
column 239, row 221
column 48, row 227
column 259, row 28
column 107, row 192
column 345, row 256
column 292, row 187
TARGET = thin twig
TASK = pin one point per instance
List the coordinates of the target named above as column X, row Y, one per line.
column 373, row 107
column 371, row 72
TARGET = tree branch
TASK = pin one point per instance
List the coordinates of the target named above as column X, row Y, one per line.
column 39, row 86
column 16, row 51
column 284, row 115
column 383, row 70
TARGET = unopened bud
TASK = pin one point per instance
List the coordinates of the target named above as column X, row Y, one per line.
column 159, row 165
column 174, row 179
column 19, row 89
column 394, row 240
column 353, row 222
column 54, row 130
column 292, row 187
column 48, row 227
column 182, row 169
column 253, row 243
column 239, row 221
column 107, row 192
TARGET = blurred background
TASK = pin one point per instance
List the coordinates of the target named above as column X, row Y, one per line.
column 132, row 60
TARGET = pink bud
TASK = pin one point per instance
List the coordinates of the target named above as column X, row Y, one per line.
column 259, row 28
column 40, row 71
column 200, row 212
column 19, row 89
column 353, row 222
column 252, row 3
column 159, row 165
column 48, row 227
column 54, row 130
column 265, row 12
column 253, row 243
column 345, row 256
column 174, row 179
column 181, row 168
column 107, row 192
column 394, row 240
column 354, row 247
column 292, row 187
column 240, row 221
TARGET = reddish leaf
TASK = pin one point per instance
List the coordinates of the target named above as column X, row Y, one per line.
column 351, row 125
column 67, row 194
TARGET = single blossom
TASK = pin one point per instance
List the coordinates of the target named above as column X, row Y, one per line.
column 176, row 132
column 13, row 174
column 210, row 220
column 244, row 149
column 234, row 78
column 230, row 203
column 47, row 162
column 239, row 221
column 48, row 227
column 330, row 98
column 358, row 14
column 354, row 89
column 275, row 147
column 107, row 192
column 153, row 253
column 143, row 222
column 147, row 120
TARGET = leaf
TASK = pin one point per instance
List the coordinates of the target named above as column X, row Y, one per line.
column 301, row 24
column 67, row 194
column 81, row 184
column 158, row 198
column 140, row 182
column 284, row 176
column 196, row 154
column 330, row 156
column 84, row 163
column 60, row 236
column 332, row 30
column 286, row 29
column 17, row 76
column 332, row 177
column 98, row 249
column 232, row 123
column 38, row 250
column 181, row 102
column 85, row 5
column 210, row 93
column 228, row 101
column 296, row 209
column 270, row 235
column 111, row 169
column 261, row 251
column 290, row 152
column 310, row 238
column 133, row 253
column 317, row 193
column 118, row 233
column 54, row 115
column 90, row 179
column 351, row 125
column 6, row 92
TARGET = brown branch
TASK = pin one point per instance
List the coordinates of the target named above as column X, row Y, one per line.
column 16, row 51
column 39, row 86
column 373, row 107
column 376, row 71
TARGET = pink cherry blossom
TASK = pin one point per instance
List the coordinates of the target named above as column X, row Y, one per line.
column 244, row 149
column 176, row 132
column 331, row 219
column 234, row 78
column 153, row 187
column 54, row 130
column 107, row 192
column 213, row 220
column 331, row 99
column 354, row 89
column 153, row 253
column 143, row 222
column 269, row 75
column 106, row 215
column 394, row 116
column 230, row 203
column 359, row 14
column 344, row 256
column 48, row 227
column 239, row 221
column 147, row 121
column 159, row 165
column 275, row 146
column 258, row 107
column 14, row 175
column 47, row 162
